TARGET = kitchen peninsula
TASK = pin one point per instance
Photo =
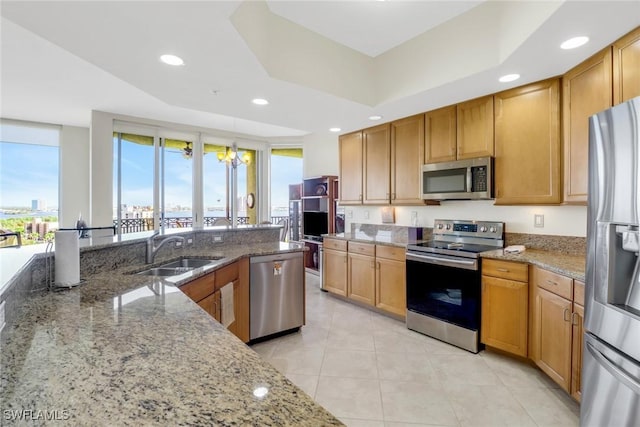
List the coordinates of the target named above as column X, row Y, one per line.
column 127, row 349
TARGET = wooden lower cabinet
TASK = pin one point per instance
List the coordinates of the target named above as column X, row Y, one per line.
column 334, row 266
column 552, row 350
column 369, row 274
column 556, row 332
column 391, row 292
column 577, row 343
column 361, row 282
column 504, row 314
column 211, row 305
column 505, row 302
column 205, row 291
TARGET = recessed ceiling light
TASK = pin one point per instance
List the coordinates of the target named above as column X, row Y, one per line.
column 171, row 60
column 334, row 129
column 509, row 78
column 260, row 101
column 375, row 117
column 574, row 42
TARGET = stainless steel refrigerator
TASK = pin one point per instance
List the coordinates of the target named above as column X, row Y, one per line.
column 611, row 356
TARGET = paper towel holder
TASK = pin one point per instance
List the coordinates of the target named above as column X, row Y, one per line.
column 48, row 271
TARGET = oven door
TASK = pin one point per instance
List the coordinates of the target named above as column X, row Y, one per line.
column 444, row 287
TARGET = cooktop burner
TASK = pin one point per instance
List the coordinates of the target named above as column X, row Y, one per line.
column 462, row 238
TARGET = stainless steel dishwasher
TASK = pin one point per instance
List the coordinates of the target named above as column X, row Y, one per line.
column 276, row 294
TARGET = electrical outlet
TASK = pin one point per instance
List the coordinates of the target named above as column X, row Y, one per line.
column 178, row 244
column 349, row 214
column 189, row 241
column 366, row 215
column 538, row 220
column 414, row 218
column 217, row 238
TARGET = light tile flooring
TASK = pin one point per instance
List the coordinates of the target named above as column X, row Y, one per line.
column 370, row 370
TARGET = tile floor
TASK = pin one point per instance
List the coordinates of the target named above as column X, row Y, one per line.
column 370, row 370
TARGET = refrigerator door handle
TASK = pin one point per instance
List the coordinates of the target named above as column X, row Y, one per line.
column 613, row 369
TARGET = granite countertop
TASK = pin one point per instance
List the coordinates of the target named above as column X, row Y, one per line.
column 127, row 349
column 568, row 265
column 378, row 239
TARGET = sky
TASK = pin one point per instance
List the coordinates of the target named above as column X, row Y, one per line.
column 29, row 171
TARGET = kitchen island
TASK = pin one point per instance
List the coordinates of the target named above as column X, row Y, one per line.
column 126, row 349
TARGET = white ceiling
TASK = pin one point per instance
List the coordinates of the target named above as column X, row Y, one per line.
column 320, row 64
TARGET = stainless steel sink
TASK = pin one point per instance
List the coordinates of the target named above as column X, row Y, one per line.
column 180, row 266
column 165, row 272
column 188, row 263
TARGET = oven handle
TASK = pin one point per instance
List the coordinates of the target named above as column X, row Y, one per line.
column 448, row 262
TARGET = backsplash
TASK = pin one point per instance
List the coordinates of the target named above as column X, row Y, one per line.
column 392, row 233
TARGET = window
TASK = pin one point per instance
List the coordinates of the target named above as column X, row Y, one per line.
column 29, row 170
column 136, row 176
column 286, row 169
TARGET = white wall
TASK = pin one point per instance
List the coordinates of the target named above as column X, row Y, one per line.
column 74, row 175
column 320, row 155
column 101, row 194
column 321, row 158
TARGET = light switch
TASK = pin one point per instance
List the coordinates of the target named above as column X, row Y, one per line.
column 538, row 220
column 349, row 214
column 365, row 215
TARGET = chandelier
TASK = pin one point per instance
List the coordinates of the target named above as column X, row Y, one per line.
column 231, row 156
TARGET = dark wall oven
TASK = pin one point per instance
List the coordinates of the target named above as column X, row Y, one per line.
column 443, row 282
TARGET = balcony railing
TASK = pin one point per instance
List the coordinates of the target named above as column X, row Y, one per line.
column 134, row 225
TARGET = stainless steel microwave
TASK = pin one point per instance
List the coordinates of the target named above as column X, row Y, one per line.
column 469, row 179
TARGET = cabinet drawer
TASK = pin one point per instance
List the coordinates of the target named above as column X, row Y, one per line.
column 553, row 282
column 390, row 252
column 505, row 270
column 200, row 288
column 578, row 292
column 362, row 248
column 226, row 274
column 338, row 245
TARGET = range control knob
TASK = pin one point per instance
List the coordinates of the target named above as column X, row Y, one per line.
column 448, row 226
column 492, row 229
column 483, row 229
column 439, row 226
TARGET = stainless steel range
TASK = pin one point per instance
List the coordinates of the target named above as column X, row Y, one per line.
column 443, row 280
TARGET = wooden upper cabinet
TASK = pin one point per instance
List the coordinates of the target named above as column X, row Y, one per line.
column 376, row 184
column 407, row 145
column 440, row 135
column 527, row 164
column 626, row 67
column 475, row 128
column 350, row 165
column 586, row 90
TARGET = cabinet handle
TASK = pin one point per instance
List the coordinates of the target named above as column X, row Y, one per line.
column 393, row 196
column 360, row 197
column 564, row 315
column 504, row 270
column 574, row 318
column 551, row 282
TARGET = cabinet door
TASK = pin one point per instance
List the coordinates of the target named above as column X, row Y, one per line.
column 334, row 271
column 350, row 151
column 552, row 348
column 505, row 314
column 391, row 290
column 240, row 327
column 577, row 318
column 626, row 67
column 440, row 135
column 407, row 144
column 475, row 128
column 586, row 90
column 361, row 284
column 376, row 143
column 527, row 164
column 211, row 305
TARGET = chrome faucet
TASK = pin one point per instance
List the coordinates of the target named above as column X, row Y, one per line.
column 152, row 249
